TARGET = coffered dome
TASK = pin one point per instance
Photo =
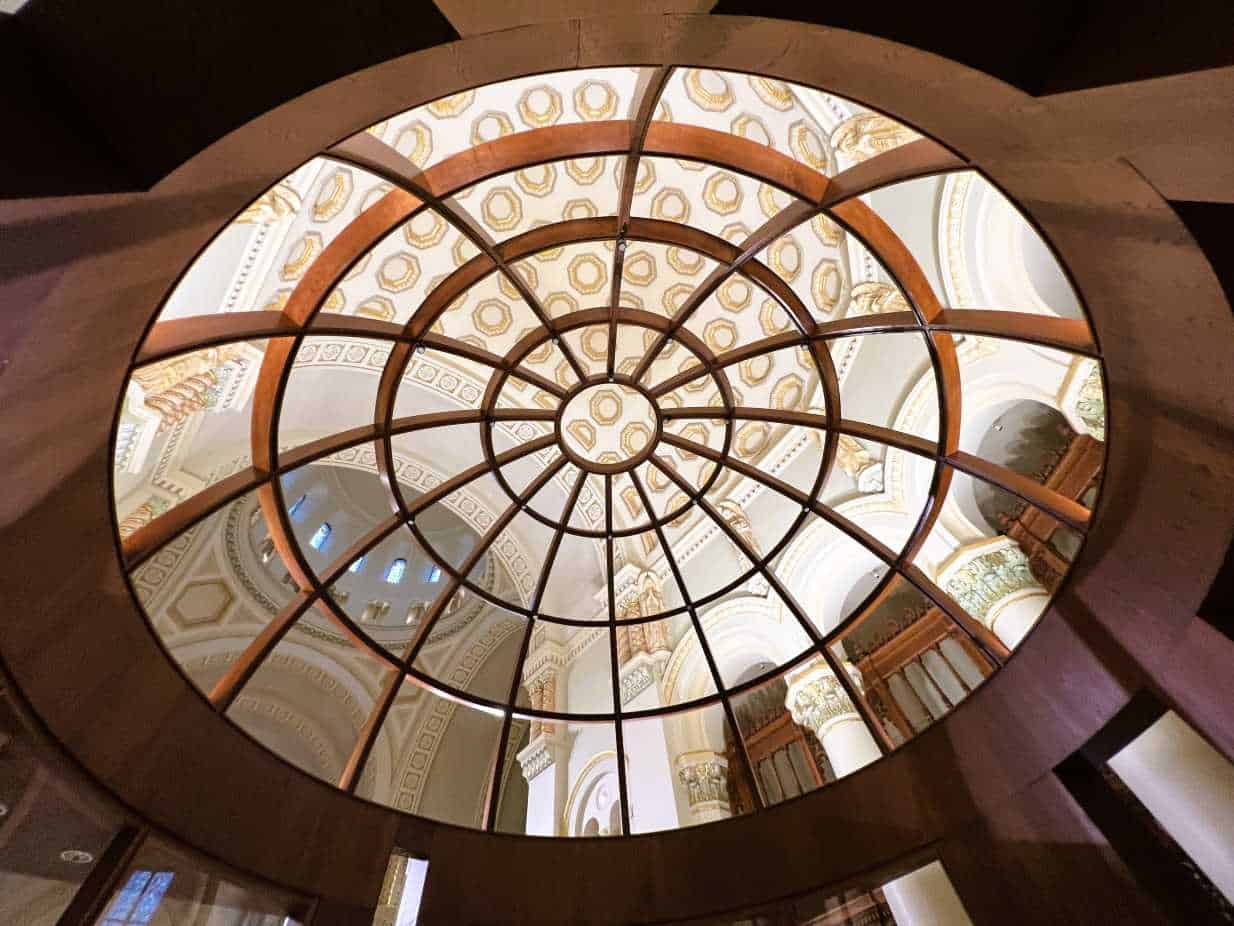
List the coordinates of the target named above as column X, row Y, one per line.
column 639, row 412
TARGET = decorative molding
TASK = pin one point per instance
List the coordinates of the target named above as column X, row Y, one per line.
column 817, row 700
column 984, row 575
column 705, row 778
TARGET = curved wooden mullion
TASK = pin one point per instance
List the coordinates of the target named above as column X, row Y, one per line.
column 182, row 335
column 148, row 539
column 1069, row 334
column 901, row 440
column 870, row 228
column 246, row 664
column 418, row 182
column 823, row 331
column 614, row 662
column 781, row 223
column 448, row 345
column 650, row 86
column 921, row 158
column 302, row 307
column 721, row 149
column 488, row 159
column 1055, row 504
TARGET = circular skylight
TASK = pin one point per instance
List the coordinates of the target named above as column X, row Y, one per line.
column 694, row 418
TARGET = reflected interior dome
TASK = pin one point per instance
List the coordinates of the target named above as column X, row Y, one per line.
column 608, row 451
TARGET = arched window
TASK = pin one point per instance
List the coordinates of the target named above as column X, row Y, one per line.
column 321, row 536
column 394, row 572
column 432, row 574
column 296, row 506
column 358, row 564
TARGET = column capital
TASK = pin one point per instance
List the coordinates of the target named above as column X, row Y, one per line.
column 544, row 750
column 705, row 777
column 817, row 700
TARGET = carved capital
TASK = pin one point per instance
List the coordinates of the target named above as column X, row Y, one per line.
column 705, row 777
column 985, row 575
column 817, row 701
column 544, row 750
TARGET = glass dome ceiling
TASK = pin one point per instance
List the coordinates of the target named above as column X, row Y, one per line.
column 692, row 417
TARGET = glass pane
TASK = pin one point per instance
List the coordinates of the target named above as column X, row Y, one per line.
column 1038, row 411
column 210, row 591
column 681, row 770
column 309, row 699
column 390, row 282
column 723, row 202
column 334, row 502
column 439, row 130
column 332, row 387
column 911, row 405
column 784, row 750
column 911, row 662
column 657, row 277
column 474, row 647
column 255, row 262
column 432, row 757
column 821, row 130
column 184, row 425
column 987, row 254
column 388, row 593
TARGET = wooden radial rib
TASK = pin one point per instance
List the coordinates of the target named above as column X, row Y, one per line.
column 637, row 137
column 985, row 639
column 703, row 643
column 794, row 607
column 368, row 735
column 493, row 795
column 650, row 86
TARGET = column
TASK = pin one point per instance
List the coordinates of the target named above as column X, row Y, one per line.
column 818, row 702
column 1189, row 788
column 545, row 758
column 925, row 897
column 544, row 762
